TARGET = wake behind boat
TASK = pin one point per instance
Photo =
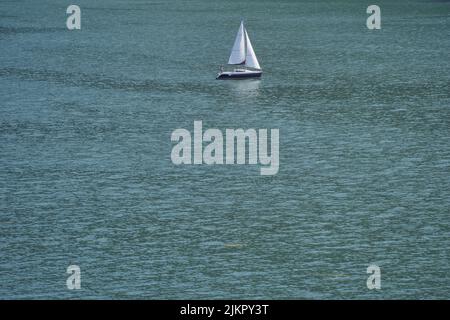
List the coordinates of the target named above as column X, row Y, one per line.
column 242, row 54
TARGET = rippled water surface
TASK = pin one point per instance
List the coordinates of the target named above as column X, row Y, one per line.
column 86, row 176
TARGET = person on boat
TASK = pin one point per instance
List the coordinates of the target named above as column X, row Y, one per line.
column 221, row 68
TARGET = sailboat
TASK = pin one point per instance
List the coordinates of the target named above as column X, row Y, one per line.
column 242, row 54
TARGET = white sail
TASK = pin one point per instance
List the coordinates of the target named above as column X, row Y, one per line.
column 250, row 58
column 238, row 52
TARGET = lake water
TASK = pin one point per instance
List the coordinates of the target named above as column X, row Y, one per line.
column 86, row 176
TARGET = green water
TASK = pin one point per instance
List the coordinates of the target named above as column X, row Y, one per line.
column 86, row 176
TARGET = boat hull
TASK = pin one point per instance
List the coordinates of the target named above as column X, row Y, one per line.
column 239, row 75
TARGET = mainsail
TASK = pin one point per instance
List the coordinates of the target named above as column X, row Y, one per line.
column 238, row 52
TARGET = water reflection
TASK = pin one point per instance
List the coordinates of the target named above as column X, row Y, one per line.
column 245, row 88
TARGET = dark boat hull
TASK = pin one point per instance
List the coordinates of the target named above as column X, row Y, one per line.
column 239, row 75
